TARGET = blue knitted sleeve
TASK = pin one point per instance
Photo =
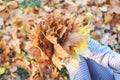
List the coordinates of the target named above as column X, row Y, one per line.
column 104, row 55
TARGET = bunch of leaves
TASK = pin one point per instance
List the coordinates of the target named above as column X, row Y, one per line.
column 31, row 3
column 56, row 35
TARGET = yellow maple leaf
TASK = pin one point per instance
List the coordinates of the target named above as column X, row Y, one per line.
column 6, row 64
column 95, row 36
column 15, row 19
column 108, row 18
column 84, row 34
column 35, row 42
column 2, row 70
column 84, row 31
column 81, row 47
column 19, row 55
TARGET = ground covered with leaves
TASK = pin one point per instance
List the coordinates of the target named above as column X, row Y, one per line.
column 36, row 36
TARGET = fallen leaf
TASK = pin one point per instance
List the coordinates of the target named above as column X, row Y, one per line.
column 35, row 53
column 81, row 47
column 108, row 18
column 12, row 5
column 2, row 70
column 19, row 55
column 5, row 14
column 85, row 31
column 6, row 64
column 57, row 61
column 95, row 36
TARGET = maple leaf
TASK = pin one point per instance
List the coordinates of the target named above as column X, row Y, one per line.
column 11, row 6
column 35, row 40
column 95, row 36
column 5, row 14
column 59, row 52
column 83, row 45
column 6, row 64
column 19, row 55
column 57, row 62
column 108, row 18
column 84, row 31
column 58, row 48
column 73, row 39
column 2, row 70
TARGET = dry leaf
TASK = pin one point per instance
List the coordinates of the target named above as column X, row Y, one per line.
column 95, row 36
column 57, row 61
column 108, row 18
column 73, row 39
column 5, row 14
column 59, row 51
column 84, row 31
column 12, row 5
column 35, row 53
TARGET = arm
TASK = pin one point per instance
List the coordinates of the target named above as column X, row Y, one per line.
column 104, row 55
